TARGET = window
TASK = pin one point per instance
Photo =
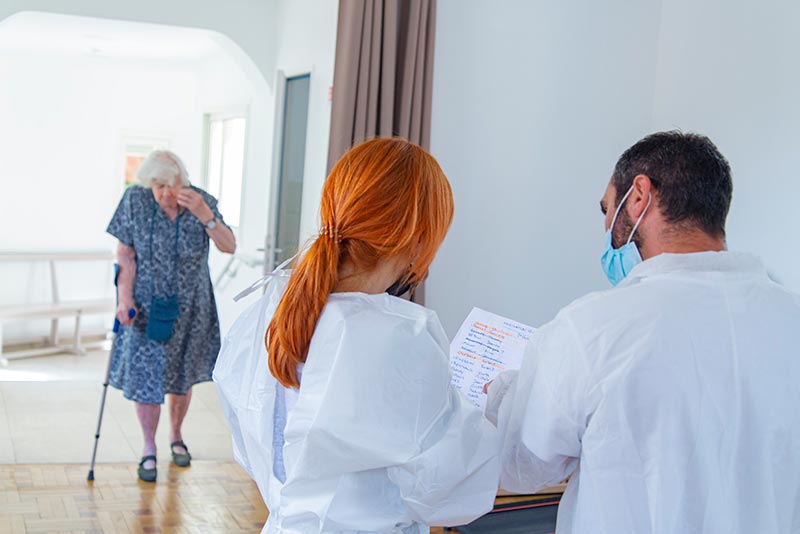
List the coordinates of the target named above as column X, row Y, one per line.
column 224, row 164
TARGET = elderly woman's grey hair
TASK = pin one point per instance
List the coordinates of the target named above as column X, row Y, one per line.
column 162, row 166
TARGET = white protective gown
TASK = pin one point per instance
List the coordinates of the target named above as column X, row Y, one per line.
column 673, row 399
column 376, row 441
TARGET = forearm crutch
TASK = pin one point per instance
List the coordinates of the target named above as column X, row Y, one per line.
column 115, row 330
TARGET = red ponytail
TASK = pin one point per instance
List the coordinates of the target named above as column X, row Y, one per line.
column 384, row 198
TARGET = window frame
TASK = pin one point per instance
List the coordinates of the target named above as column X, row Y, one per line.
column 208, row 118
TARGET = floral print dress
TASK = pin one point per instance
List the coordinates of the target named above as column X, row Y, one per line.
column 144, row 369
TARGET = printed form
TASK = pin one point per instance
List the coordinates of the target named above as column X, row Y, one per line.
column 486, row 345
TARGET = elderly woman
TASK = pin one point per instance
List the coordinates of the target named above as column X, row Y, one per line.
column 169, row 335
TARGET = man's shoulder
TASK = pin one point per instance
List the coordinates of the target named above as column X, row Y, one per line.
column 598, row 309
column 602, row 299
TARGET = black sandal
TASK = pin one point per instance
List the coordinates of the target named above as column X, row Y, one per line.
column 147, row 475
column 180, row 459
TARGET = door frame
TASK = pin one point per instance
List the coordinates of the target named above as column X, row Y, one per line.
column 283, row 76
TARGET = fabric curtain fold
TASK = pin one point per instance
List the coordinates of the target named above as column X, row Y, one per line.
column 383, row 74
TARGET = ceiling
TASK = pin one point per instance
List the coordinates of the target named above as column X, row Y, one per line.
column 64, row 34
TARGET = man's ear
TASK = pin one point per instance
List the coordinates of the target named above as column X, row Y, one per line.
column 640, row 196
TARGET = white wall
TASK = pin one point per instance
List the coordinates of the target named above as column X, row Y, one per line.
column 534, row 101
column 729, row 69
column 63, row 117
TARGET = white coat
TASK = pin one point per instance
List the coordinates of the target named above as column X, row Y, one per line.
column 376, row 441
column 673, row 400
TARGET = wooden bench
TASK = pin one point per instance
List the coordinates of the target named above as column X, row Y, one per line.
column 55, row 309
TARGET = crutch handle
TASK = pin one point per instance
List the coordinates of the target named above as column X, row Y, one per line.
column 131, row 315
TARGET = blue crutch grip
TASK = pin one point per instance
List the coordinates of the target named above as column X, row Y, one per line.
column 131, row 315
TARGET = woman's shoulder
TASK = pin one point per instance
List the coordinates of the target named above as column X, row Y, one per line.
column 379, row 340
column 136, row 199
column 385, row 319
column 135, row 191
column 136, row 194
column 357, row 306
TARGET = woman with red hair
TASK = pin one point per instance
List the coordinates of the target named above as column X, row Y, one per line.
column 338, row 394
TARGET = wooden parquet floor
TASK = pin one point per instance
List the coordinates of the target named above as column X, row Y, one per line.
column 208, row 497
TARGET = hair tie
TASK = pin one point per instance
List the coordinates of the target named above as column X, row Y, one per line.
column 332, row 233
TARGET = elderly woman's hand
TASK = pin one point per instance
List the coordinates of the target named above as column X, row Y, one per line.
column 221, row 235
column 193, row 201
column 124, row 315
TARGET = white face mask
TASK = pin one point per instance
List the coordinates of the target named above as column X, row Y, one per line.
column 617, row 263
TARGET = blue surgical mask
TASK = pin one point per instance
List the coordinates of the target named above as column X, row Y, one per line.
column 617, row 263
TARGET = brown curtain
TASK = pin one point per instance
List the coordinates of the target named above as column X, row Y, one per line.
column 383, row 72
column 383, row 75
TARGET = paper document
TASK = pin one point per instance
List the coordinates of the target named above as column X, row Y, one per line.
column 486, row 344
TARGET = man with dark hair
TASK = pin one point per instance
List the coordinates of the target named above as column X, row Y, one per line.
column 672, row 399
column 692, row 185
column 692, row 178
